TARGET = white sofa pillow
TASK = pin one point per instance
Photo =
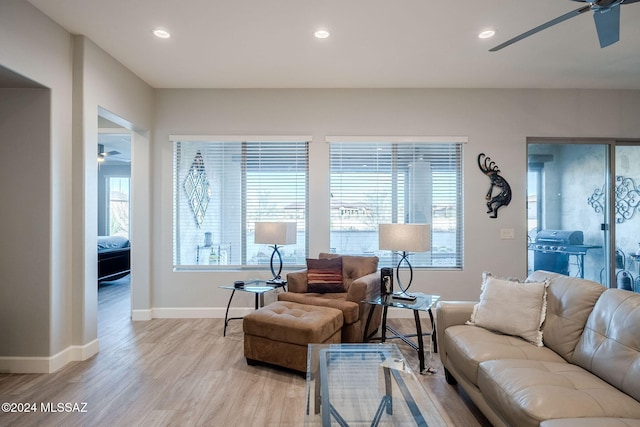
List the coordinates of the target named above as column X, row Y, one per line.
column 512, row 308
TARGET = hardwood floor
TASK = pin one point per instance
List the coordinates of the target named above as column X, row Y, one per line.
column 182, row 372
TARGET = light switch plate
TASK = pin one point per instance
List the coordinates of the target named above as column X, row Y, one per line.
column 507, row 233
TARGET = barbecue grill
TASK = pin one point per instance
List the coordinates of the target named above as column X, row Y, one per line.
column 553, row 247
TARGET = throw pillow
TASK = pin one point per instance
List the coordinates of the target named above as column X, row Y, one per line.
column 324, row 275
column 512, row 308
column 486, row 274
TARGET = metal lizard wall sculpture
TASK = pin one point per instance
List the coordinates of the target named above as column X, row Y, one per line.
column 503, row 197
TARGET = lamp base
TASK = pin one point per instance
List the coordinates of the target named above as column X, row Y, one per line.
column 276, row 276
column 400, row 285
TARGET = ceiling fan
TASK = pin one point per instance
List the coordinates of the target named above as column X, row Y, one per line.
column 606, row 14
column 102, row 154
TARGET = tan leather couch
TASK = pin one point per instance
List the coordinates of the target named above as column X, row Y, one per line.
column 586, row 374
column 361, row 279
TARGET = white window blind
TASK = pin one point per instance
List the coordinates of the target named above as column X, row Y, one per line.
column 397, row 182
column 221, row 188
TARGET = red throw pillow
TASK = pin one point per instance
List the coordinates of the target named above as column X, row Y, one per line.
column 324, row 275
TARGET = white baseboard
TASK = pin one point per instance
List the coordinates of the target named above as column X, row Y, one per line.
column 47, row 365
column 188, row 313
column 218, row 313
column 146, row 314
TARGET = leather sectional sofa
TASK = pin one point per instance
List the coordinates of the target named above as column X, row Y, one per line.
column 586, row 373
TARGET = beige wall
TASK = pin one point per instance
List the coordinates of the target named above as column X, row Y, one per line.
column 82, row 79
column 34, row 46
column 496, row 122
column 104, row 86
column 25, row 222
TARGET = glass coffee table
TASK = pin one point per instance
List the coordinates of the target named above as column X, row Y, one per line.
column 422, row 302
column 256, row 287
column 365, row 385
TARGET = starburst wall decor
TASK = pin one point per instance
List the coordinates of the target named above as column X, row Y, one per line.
column 196, row 185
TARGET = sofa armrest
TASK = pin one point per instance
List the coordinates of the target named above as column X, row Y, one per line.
column 364, row 288
column 297, row 281
column 451, row 313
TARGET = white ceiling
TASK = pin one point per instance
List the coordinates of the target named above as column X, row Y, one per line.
column 373, row 43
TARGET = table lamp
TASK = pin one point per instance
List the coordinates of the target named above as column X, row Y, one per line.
column 403, row 238
column 276, row 233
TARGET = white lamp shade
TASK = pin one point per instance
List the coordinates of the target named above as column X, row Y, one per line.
column 276, row 233
column 405, row 237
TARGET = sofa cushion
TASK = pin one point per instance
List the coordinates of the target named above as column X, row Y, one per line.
column 280, row 333
column 526, row 392
column 511, row 308
column 569, row 303
column 610, row 343
column 350, row 309
column 293, row 323
column 324, row 275
column 468, row 346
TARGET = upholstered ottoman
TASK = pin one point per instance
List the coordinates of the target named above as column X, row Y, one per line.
column 280, row 332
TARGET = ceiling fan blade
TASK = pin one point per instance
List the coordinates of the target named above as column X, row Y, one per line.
column 104, row 154
column 539, row 28
column 607, row 25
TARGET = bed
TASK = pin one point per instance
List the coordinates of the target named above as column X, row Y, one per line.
column 114, row 257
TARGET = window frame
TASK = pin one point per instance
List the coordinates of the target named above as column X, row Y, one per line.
column 459, row 218
column 243, row 141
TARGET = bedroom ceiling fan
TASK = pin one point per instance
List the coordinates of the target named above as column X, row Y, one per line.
column 102, row 154
column 606, row 14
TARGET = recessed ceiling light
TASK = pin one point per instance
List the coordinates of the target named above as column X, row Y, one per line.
column 163, row 34
column 486, row 34
column 321, row 34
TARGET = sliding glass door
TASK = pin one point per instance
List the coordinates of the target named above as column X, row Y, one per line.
column 583, row 209
column 567, row 208
column 627, row 216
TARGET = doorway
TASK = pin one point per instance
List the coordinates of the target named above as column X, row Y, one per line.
column 114, row 214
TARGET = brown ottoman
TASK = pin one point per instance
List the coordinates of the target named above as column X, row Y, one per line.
column 279, row 333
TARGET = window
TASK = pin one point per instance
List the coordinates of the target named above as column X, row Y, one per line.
column 118, row 206
column 397, row 182
column 221, row 188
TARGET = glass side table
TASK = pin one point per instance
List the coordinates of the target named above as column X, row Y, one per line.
column 423, row 302
column 256, row 287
